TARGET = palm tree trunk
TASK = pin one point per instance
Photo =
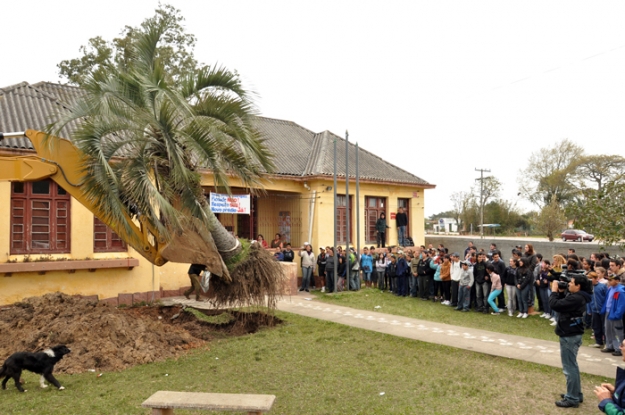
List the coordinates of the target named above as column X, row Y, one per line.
column 227, row 244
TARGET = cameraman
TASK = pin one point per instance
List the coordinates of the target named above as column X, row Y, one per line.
column 570, row 305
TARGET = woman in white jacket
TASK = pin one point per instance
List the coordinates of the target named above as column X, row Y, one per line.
column 308, row 265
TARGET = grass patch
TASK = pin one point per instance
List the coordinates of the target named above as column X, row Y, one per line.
column 222, row 318
column 318, row 367
column 367, row 299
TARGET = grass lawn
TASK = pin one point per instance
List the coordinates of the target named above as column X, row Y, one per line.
column 367, row 299
column 317, row 367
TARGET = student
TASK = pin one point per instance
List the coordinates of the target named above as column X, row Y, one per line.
column 599, row 293
column 446, row 279
column 288, row 253
column 464, row 286
column 495, row 288
column 510, row 284
column 542, row 283
column 524, row 283
column 614, row 309
column 366, row 263
column 380, row 266
column 391, row 271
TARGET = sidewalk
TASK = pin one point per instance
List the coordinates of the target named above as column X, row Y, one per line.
column 543, row 352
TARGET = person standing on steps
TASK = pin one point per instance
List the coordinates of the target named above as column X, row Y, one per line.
column 380, row 229
column 401, row 220
column 194, row 275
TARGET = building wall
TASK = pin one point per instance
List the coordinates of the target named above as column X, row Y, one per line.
column 109, row 283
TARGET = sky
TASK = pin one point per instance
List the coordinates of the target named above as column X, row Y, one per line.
column 437, row 88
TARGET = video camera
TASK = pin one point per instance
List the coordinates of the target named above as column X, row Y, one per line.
column 567, row 276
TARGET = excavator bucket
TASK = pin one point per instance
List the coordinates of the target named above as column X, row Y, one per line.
column 195, row 245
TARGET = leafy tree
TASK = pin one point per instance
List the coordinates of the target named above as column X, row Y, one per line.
column 551, row 219
column 146, row 135
column 602, row 213
column 599, row 169
column 175, row 51
column 550, row 172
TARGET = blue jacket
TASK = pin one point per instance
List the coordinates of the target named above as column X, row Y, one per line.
column 402, row 266
column 366, row 261
column 616, row 404
column 618, row 303
column 437, row 268
column 599, row 292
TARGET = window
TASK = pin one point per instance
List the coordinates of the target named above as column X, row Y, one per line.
column 40, row 213
column 341, row 219
column 374, row 206
column 105, row 240
column 405, row 203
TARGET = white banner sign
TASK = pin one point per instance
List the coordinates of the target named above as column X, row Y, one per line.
column 237, row 204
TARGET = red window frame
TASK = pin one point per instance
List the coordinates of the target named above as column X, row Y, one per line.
column 105, row 240
column 40, row 218
column 374, row 206
column 341, row 219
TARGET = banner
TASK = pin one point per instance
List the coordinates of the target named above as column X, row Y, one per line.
column 237, row 204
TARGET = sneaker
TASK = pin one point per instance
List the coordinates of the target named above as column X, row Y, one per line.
column 323, row 289
column 554, row 324
column 519, row 315
column 596, row 346
column 447, row 302
column 307, row 290
column 547, row 316
column 542, row 315
column 301, row 289
column 581, row 400
column 553, row 319
column 494, row 314
column 510, row 314
column 606, row 350
column 524, row 314
column 566, row 404
column 617, row 353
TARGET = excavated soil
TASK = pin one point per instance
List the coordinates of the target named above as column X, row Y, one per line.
column 107, row 338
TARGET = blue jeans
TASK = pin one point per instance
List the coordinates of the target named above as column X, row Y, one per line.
column 354, row 280
column 544, row 297
column 491, row 298
column 522, row 298
column 329, row 280
column 464, row 297
column 569, row 346
column 412, row 282
column 401, row 235
column 306, row 273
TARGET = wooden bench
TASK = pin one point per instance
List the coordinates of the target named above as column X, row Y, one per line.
column 164, row 402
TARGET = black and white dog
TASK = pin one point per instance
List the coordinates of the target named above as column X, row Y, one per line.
column 41, row 363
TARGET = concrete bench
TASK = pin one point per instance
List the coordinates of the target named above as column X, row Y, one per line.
column 164, row 402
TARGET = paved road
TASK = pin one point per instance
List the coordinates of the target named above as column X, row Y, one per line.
column 544, row 352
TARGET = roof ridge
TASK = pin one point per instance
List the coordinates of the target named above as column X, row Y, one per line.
column 287, row 122
column 50, row 96
column 315, row 153
column 14, row 86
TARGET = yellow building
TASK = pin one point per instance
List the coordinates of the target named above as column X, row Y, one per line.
column 49, row 242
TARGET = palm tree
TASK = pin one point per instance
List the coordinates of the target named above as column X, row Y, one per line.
column 146, row 137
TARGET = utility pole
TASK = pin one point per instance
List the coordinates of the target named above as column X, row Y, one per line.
column 481, row 179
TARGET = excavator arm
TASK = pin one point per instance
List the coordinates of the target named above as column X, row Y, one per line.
column 61, row 161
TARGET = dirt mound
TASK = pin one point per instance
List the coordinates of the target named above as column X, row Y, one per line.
column 107, row 338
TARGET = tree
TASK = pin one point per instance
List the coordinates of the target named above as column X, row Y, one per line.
column 146, row 135
column 551, row 218
column 602, row 213
column 175, row 52
column 550, row 172
column 599, row 169
column 461, row 201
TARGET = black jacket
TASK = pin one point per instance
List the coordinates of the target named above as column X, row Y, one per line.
column 288, row 255
column 570, row 308
column 479, row 272
column 500, row 267
column 423, row 267
column 510, row 277
column 401, row 219
column 525, row 277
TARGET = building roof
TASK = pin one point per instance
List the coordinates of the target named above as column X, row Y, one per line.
column 298, row 152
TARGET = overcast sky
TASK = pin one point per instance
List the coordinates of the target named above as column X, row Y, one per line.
column 438, row 88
